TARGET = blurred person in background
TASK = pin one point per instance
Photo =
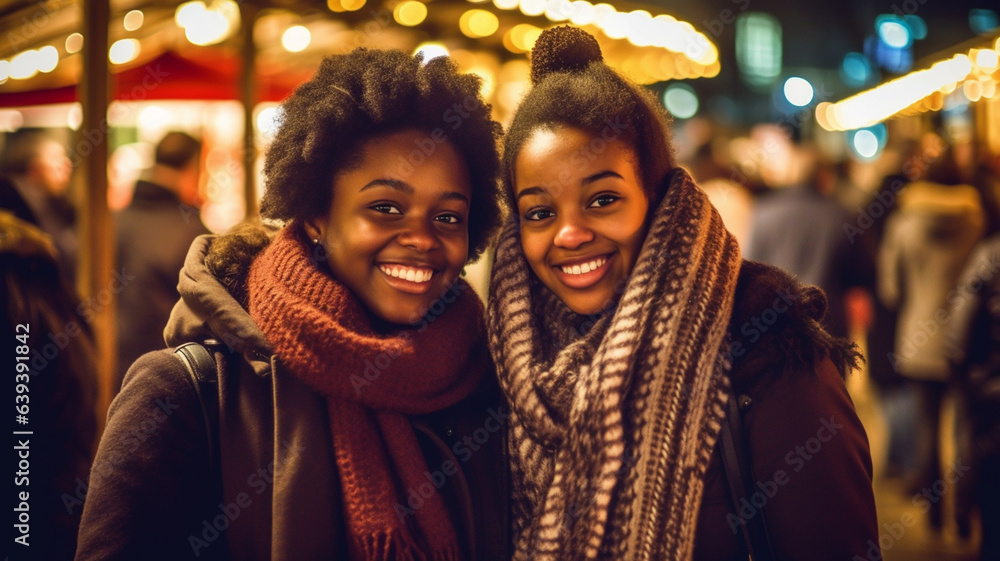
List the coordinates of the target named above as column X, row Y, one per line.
column 926, row 243
column 41, row 316
column 40, row 169
column 730, row 197
column 800, row 228
column 154, row 233
column 973, row 346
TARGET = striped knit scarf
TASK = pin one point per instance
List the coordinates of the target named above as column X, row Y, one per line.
column 372, row 382
column 613, row 423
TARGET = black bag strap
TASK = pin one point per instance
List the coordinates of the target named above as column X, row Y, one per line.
column 741, row 483
column 200, row 364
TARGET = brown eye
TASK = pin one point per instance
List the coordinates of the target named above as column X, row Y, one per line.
column 386, row 208
column 449, row 218
column 604, row 200
column 538, row 214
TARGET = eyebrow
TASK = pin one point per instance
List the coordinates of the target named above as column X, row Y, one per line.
column 408, row 189
column 585, row 181
column 600, row 175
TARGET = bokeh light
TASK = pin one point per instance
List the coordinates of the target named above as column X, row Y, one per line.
column 410, row 13
column 74, row 43
column 296, row 38
column 123, row 50
column 681, row 101
column 798, row 91
column 133, row 20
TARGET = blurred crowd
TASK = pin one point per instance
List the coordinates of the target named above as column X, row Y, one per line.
column 906, row 246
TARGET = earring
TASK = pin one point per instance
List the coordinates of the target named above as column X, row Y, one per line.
column 315, row 241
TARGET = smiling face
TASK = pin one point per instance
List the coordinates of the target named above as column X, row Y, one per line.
column 583, row 214
column 396, row 234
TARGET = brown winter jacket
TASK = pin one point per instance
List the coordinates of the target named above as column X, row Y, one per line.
column 808, row 451
column 276, row 496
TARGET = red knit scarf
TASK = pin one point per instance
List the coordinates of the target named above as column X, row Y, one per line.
column 372, row 381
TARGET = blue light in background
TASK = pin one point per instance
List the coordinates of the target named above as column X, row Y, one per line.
column 868, row 143
column 856, row 71
column 983, row 21
column 893, row 31
column 917, row 25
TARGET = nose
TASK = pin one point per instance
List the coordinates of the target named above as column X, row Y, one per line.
column 419, row 235
column 572, row 233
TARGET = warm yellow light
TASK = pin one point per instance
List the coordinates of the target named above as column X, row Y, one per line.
column 410, row 13
column 188, row 13
column 4, row 70
column 296, row 38
column 987, row 60
column 478, row 23
column 532, row 7
column 880, row 103
column 989, row 88
column 973, row 90
column 583, row 13
column 335, row 6
column 505, row 4
column 431, row 50
column 211, row 28
column 615, row 26
column 24, row 65
column 509, row 44
column 489, row 80
column 820, row 113
column 558, row 10
column 712, row 70
column 123, row 50
column 133, row 20
column 74, row 43
column 352, row 5
column 48, row 59
column 523, row 36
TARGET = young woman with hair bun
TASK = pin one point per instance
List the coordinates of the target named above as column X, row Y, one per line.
column 625, row 325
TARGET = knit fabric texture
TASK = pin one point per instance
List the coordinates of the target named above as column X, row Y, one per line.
column 614, row 418
column 372, row 381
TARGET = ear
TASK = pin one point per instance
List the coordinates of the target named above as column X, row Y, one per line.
column 313, row 229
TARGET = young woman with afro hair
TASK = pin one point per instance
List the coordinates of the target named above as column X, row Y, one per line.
column 629, row 338
column 358, row 412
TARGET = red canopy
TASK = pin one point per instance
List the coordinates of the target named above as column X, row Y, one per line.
column 171, row 76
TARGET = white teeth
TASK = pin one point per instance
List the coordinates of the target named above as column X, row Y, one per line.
column 584, row 268
column 407, row 273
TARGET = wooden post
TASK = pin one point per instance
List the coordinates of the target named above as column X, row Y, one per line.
column 90, row 152
column 248, row 95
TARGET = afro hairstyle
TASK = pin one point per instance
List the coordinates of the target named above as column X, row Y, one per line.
column 364, row 94
column 573, row 87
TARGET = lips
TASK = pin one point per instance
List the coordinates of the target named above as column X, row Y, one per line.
column 583, row 273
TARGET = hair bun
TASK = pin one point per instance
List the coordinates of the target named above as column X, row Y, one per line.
column 563, row 49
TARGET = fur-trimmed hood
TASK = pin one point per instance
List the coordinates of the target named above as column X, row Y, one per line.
column 212, row 286
column 775, row 328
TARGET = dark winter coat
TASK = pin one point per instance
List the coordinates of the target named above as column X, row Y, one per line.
column 153, row 496
column 809, row 453
column 53, row 389
column 154, row 233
